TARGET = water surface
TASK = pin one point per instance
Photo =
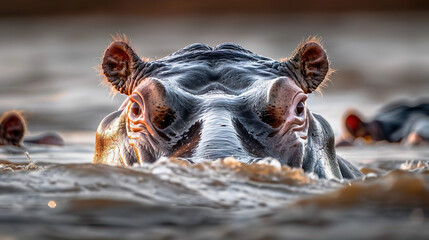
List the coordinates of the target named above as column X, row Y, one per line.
column 60, row 195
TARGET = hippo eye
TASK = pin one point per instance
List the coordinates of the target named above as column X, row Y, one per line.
column 135, row 109
column 300, row 108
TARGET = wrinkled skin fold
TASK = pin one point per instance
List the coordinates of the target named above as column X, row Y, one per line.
column 202, row 103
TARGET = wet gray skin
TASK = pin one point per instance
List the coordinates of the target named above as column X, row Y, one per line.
column 202, row 103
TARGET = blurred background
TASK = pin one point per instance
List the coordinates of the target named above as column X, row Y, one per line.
column 49, row 49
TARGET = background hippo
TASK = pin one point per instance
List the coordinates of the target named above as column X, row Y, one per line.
column 202, row 103
column 399, row 121
column 13, row 128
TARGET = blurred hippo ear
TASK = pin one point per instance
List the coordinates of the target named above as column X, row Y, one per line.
column 353, row 124
column 119, row 66
column 309, row 63
column 12, row 128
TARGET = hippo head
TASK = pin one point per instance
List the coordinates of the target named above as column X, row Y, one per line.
column 202, row 103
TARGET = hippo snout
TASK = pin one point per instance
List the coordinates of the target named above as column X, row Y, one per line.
column 219, row 138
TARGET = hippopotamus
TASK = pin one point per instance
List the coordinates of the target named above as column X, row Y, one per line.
column 397, row 122
column 204, row 103
column 13, row 129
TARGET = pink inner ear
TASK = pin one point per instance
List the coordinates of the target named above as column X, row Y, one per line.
column 314, row 54
column 119, row 57
column 353, row 123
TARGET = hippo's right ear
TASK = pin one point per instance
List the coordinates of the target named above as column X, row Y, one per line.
column 309, row 63
column 119, row 66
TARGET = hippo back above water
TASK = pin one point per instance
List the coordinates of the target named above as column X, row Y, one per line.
column 202, row 103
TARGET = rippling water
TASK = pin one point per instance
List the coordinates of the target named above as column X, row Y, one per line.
column 60, row 195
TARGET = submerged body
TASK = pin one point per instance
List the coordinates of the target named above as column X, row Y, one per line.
column 202, row 103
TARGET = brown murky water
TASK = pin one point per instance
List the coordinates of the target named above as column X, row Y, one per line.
column 62, row 196
column 46, row 71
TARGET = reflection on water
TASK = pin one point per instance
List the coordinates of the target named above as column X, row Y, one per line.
column 66, row 198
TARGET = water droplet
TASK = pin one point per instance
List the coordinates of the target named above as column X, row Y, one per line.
column 52, row 204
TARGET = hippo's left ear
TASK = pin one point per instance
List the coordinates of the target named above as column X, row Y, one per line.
column 119, row 66
column 309, row 63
